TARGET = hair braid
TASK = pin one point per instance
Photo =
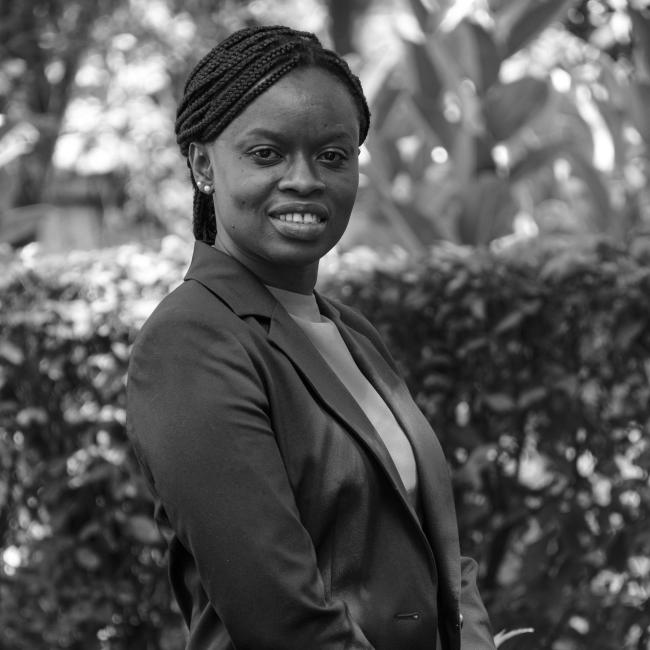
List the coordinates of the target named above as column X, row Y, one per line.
column 232, row 75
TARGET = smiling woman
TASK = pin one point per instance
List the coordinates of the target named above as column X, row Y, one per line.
column 287, row 173
column 309, row 500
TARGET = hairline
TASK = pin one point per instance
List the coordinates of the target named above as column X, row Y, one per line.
column 301, row 64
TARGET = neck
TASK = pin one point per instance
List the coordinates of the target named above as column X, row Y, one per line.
column 291, row 283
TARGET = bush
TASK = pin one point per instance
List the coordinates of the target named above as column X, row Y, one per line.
column 533, row 368
column 86, row 561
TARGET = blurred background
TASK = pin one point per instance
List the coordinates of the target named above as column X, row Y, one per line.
column 492, row 119
column 500, row 243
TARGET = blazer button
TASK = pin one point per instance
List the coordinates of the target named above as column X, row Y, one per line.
column 461, row 620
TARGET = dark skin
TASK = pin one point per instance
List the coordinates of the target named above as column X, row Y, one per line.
column 285, row 173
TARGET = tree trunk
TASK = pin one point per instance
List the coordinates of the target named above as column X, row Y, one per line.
column 51, row 64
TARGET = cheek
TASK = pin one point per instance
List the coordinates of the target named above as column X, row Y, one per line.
column 346, row 190
column 240, row 195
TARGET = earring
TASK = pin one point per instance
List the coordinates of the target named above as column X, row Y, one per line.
column 207, row 189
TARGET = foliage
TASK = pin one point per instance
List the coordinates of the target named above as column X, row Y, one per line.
column 489, row 116
column 74, row 512
column 533, row 366
column 89, row 89
column 43, row 42
column 534, row 369
column 495, row 117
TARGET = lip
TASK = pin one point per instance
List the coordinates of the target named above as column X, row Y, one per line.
column 301, row 208
column 304, row 232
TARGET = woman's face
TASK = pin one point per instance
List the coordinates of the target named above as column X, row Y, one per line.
column 285, row 173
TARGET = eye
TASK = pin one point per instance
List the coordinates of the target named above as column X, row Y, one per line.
column 333, row 156
column 264, row 155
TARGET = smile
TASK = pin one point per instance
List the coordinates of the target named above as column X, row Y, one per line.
column 299, row 217
column 306, row 225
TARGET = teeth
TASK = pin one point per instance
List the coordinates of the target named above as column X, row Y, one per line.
column 297, row 217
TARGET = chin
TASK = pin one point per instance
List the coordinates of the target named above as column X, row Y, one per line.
column 302, row 255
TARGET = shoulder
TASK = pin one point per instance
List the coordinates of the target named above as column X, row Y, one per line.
column 190, row 325
column 189, row 301
column 191, row 305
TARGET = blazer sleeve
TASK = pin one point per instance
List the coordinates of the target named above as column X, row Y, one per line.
column 476, row 632
column 199, row 418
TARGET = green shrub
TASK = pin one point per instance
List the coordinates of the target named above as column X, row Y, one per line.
column 534, row 370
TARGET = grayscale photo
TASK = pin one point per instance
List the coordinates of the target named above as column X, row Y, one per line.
column 325, row 325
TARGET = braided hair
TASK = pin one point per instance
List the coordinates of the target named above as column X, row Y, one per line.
column 232, row 75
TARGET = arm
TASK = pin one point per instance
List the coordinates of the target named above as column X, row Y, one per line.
column 476, row 633
column 200, row 419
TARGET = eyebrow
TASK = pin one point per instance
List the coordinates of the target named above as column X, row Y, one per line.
column 338, row 134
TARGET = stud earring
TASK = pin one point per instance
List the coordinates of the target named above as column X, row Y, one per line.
column 207, row 189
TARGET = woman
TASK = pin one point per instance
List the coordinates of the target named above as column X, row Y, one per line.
column 309, row 500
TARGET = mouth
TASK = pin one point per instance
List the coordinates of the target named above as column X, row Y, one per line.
column 300, row 222
column 299, row 217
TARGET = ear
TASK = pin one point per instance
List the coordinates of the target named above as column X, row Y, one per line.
column 200, row 163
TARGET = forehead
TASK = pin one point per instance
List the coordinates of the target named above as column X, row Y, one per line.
column 305, row 97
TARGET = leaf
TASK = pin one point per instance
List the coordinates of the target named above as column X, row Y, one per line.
column 536, row 159
column 489, row 57
column 531, row 307
column 512, row 320
column 143, row 529
column 474, row 51
column 562, row 266
column 488, row 210
column 509, row 106
column 503, row 636
column 31, row 415
column 383, row 100
column 11, row 353
column 98, row 473
column 454, row 80
column 426, row 93
column 530, row 397
column 462, row 46
column 421, row 12
column 477, row 307
column 417, row 298
column 87, row 558
column 614, row 121
column 472, row 345
column 435, row 381
column 472, row 471
column 429, row 14
column 457, row 283
column 519, row 22
column 429, row 81
column 627, row 332
column 500, row 402
column 639, row 102
column 568, row 384
column 598, row 192
column 641, row 35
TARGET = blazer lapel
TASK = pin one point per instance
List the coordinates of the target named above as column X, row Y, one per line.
column 317, row 374
column 433, row 473
column 246, row 296
column 288, row 336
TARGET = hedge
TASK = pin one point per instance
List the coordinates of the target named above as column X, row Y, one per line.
column 533, row 367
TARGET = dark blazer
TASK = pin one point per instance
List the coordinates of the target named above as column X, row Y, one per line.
column 292, row 529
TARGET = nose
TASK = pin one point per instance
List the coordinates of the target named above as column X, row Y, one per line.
column 301, row 177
